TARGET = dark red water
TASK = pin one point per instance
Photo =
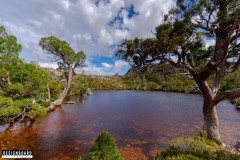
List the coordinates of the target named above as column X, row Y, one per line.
column 141, row 122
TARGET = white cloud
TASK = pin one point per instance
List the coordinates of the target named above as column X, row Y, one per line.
column 48, row 65
column 85, row 25
column 119, row 65
column 92, row 69
column 150, row 16
column 106, row 65
column 105, row 69
column 35, row 23
column 53, row 23
column 209, row 42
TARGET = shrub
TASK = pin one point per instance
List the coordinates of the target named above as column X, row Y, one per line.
column 55, row 88
column 198, row 148
column 104, row 148
column 9, row 108
column 152, row 86
column 179, row 157
column 197, row 144
column 79, row 85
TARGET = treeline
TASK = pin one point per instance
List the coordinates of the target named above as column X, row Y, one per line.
column 164, row 78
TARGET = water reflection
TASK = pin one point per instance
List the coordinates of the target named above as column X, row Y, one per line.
column 141, row 122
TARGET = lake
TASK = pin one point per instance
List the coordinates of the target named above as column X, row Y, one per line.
column 142, row 123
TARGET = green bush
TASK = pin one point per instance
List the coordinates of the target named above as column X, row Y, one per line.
column 79, row 85
column 45, row 104
column 9, row 108
column 104, row 148
column 197, row 144
column 179, row 157
column 55, row 88
column 152, row 86
column 197, row 148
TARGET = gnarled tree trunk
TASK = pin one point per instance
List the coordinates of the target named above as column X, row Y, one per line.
column 211, row 124
column 66, row 88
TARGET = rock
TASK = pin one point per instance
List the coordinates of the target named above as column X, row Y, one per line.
column 33, row 100
column 70, row 102
column 128, row 146
column 51, row 107
column 238, row 107
column 89, row 92
column 237, row 146
column 223, row 145
column 229, row 147
column 77, row 148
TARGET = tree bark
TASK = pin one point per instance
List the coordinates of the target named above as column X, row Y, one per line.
column 49, row 93
column 66, row 88
column 211, row 124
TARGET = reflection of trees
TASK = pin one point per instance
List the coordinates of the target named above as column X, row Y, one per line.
column 15, row 136
column 76, row 98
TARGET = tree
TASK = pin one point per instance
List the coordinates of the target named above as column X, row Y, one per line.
column 181, row 37
column 8, row 44
column 105, row 148
column 10, row 110
column 68, row 60
column 20, row 82
column 9, row 49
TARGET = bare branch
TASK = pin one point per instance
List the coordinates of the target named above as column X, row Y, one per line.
column 207, row 71
column 199, row 25
column 218, row 79
column 178, row 65
column 233, row 38
column 235, row 67
column 227, row 95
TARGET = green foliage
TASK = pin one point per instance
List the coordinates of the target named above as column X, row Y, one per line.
column 198, row 148
column 231, row 81
column 165, row 78
column 106, row 83
column 9, row 108
column 197, row 144
column 104, row 148
column 8, row 44
column 179, row 157
column 62, row 53
column 44, row 104
column 152, row 86
column 28, row 81
column 55, row 88
column 79, row 85
column 5, row 101
column 68, row 60
column 21, row 81
column 15, row 90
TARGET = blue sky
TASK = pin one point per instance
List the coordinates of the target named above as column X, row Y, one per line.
column 94, row 26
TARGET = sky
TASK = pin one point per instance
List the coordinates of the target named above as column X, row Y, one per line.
column 93, row 26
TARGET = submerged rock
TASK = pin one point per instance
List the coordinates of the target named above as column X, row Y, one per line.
column 89, row 92
column 51, row 107
column 70, row 102
column 238, row 107
column 237, row 146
